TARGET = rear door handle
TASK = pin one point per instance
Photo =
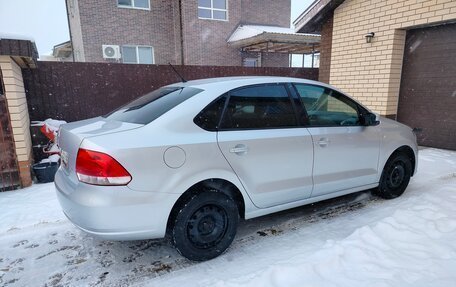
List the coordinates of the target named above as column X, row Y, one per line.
column 239, row 149
column 323, row 142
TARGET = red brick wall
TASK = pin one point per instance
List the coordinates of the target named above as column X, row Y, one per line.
column 325, row 50
column 205, row 40
column 102, row 22
column 275, row 60
column 266, row 12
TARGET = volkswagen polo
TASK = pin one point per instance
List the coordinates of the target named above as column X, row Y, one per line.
column 190, row 159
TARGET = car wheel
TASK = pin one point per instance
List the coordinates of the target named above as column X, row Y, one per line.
column 395, row 176
column 205, row 226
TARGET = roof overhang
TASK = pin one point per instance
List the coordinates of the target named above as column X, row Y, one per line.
column 62, row 50
column 251, row 38
column 23, row 52
column 313, row 18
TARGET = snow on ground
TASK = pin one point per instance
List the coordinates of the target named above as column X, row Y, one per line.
column 355, row 240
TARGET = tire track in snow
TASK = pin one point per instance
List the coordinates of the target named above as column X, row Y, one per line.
column 74, row 258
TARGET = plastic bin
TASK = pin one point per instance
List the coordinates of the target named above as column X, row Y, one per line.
column 45, row 172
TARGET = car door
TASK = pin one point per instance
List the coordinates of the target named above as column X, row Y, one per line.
column 345, row 151
column 261, row 139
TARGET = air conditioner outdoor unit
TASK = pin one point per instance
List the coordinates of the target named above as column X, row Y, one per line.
column 111, row 51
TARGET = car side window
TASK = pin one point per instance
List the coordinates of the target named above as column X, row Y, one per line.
column 259, row 107
column 309, row 94
column 209, row 118
column 326, row 107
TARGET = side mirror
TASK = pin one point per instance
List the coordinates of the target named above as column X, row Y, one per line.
column 370, row 119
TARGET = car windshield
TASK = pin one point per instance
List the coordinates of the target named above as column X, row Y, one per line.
column 152, row 105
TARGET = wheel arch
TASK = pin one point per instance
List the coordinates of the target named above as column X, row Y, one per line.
column 219, row 184
column 408, row 151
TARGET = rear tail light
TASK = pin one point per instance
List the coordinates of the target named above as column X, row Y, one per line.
column 98, row 168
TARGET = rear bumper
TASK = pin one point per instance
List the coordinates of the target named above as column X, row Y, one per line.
column 114, row 212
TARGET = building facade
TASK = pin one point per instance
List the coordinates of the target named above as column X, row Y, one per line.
column 190, row 32
column 406, row 70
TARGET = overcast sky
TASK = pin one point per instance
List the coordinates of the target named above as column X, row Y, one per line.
column 45, row 21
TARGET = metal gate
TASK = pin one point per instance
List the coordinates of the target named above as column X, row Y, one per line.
column 9, row 172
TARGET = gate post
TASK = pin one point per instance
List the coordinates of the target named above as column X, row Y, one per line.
column 14, row 55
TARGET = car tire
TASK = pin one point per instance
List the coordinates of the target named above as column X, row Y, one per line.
column 395, row 176
column 205, row 225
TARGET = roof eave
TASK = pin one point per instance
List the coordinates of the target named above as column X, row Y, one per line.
column 275, row 37
column 278, row 43
column 62, row 50
column 313, row 18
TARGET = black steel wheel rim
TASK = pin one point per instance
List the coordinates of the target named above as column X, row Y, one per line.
column 396, row 174
column 207, row 226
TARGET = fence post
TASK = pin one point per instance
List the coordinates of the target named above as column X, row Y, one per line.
column 19, row 117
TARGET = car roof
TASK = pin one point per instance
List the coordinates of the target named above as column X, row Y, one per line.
column 242, row 81
column 229, row 83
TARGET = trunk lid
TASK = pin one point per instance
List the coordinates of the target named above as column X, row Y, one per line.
column 71, row 136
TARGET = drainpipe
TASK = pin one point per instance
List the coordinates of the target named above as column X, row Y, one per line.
column 181, row 33
column 69, row 28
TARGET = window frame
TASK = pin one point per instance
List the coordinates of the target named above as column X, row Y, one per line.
column 360, row 110
column 133, row 6
column 217, row 126
column 212, row 9
column 300, row 111
column 137, row 54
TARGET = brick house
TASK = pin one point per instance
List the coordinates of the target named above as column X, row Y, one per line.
column 398, row 57
column 191, row 32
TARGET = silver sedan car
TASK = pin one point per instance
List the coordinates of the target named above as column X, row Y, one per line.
column 190, row 159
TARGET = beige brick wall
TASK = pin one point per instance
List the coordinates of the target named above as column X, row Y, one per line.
column 17, row 105
column 94, row 23
column 205, row 40
column 372, row 72
column 20, row 122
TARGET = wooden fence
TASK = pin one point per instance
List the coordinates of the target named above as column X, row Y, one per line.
column 75, row 91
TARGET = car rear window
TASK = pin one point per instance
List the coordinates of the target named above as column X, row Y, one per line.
column 152, row 105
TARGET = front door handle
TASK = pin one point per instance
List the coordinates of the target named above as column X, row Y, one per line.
column 239, row 149
column 323, row 142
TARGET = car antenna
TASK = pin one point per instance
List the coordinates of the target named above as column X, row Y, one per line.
column 180, row 76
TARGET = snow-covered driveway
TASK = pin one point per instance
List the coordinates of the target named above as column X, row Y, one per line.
column 356, row 240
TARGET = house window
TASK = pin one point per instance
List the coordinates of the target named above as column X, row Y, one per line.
column 138, row 55
column 213, row 9
column 138, row 4
column 305, row 60
column 250, row 62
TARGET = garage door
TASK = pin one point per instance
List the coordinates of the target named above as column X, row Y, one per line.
column 427, row 97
